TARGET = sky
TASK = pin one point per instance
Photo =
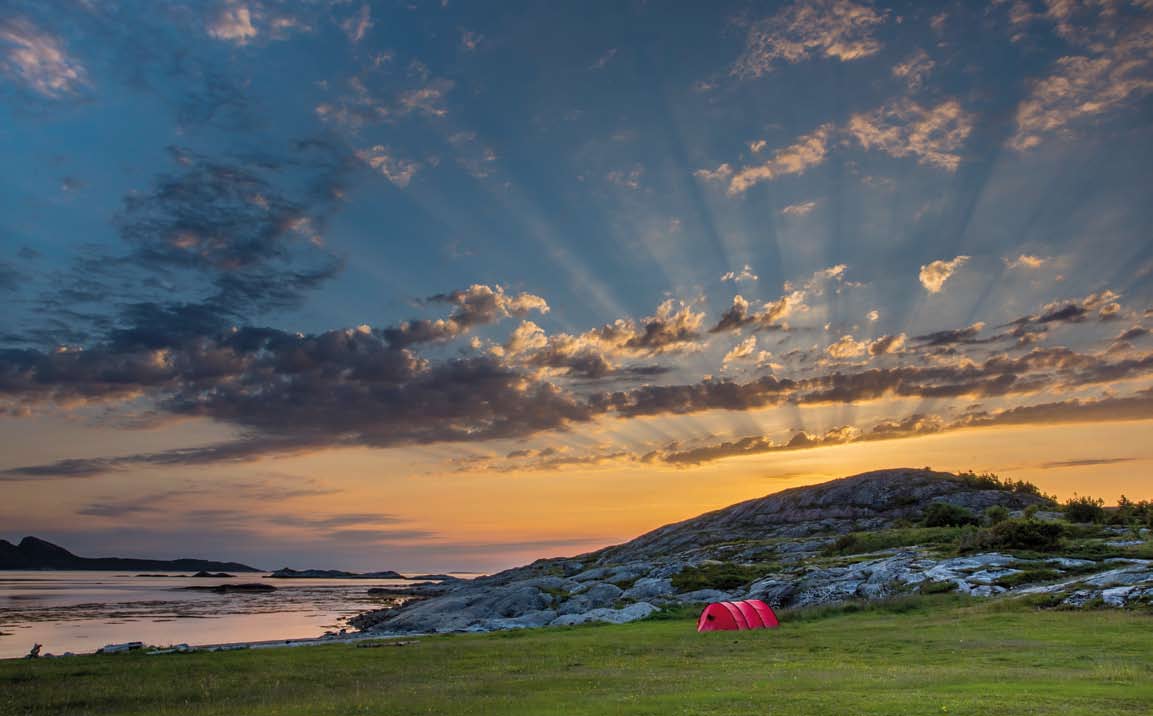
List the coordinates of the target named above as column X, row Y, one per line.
column 443, row 285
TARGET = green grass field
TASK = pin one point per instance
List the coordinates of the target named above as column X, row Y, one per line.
column 931, row 655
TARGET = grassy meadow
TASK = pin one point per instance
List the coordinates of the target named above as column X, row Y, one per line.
column 921, row 655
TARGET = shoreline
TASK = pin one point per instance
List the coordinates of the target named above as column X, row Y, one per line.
column 157, row 650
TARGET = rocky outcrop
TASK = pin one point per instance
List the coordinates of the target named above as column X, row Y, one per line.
column 780, row 541
column 35, row 553
column 869, row 501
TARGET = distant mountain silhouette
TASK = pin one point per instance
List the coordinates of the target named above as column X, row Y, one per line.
column 35, row 553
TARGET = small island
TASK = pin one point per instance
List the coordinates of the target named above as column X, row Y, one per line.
column 36, row 553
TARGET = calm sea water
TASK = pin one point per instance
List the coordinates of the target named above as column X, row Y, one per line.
column 82, row 611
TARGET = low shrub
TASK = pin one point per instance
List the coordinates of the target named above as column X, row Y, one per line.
column 943, row 514
column 996, row 514
column 933, row 586
column 1028, row 576
column 1085, row 509
column 1012, row 534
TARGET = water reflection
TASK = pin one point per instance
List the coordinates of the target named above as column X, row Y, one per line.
column 82, row 611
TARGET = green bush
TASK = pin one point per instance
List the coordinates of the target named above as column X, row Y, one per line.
column 989, row 481
column 1012, row 534
column 1028, row 576
column 932, row 586
column 996, row 514
column 1085, row 509
column 1132, row 513
column 942, row 514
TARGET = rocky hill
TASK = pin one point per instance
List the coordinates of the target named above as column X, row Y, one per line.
column 35, row 553
column 869, row 501
column 870, row 536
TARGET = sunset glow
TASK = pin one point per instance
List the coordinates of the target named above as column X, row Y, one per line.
column 441, row 286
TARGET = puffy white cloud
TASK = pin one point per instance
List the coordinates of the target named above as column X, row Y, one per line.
column 933, row 135
column 39, row 60
column 835, row 29
column 846, row 347
column 873, row 315
column 934, row 275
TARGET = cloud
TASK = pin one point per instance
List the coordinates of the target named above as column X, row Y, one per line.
column 887, row 344
column 1087, row 462
column 479, row 304
column 1112, row 70
column 1137, row 407
column 1025, row 261
column 39, row 60
column 428, row 100
column 952, row 336
column 914, row 69
column 722, row 172
column 362, row 103
column 233, row 23
column 484, row 304
column 357, row 26
column 835, row 29
column 769, row 317
column 1133, row 333
column 772, row 314
column 758, row 445
column 846, row 347
column 291, row 394
column 745, row 274
column 742, row 350
column 1102, row 303
column 383, row 159
column 934, row 275
column 904, row 128
column 800, row 209
column 599, row 352
column 808, row 151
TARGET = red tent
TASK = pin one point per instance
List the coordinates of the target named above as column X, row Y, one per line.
column 727, row 616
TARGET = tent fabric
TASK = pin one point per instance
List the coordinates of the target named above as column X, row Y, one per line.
column 732, row 616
